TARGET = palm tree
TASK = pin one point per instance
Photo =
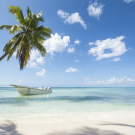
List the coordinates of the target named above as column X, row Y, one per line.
column 29, row 35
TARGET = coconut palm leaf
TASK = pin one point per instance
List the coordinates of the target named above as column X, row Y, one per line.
column 15, row 28
column 17, row 12
column 6, row 27
column 11, row 42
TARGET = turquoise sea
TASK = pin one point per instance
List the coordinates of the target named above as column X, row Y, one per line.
column 68, row 102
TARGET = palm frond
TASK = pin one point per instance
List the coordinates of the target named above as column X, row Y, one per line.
column 27, row 55
column 6, row 27
column 10, row 54
column 43, row 29
column 15, row 28
column 11, row 42
column 39, row 16
column 40, row 48
column 28, row 11
column 38, row 45
column 37, row 38
column 23, row 55
column 43, row 34
column 14, row 48
column 17, row 11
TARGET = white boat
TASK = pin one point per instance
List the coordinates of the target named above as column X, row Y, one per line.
column 23, row 90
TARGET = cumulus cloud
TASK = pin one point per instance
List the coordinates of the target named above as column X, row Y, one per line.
column 35, row 59
column 91, row 43
column 41, row 73
column 113, row 80
column 71, row 50
column 75, row 18
column 14, row 54
column 115, row 45
column 70, row 69
column 95, row 9
column 71, row 19
column 62, row 14
column 56, row 43
column 128, row 1
column 121, row 80
column 116, row 59
column 77, row 41
column 76, row 60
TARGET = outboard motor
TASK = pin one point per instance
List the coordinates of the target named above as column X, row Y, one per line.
column 45, row 88
column 48, row 88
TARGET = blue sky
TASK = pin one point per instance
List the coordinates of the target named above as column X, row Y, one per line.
column 92, row 44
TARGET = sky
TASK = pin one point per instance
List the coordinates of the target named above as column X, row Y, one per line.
column 92, row 44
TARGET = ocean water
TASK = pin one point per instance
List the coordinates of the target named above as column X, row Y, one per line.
column 68, row 103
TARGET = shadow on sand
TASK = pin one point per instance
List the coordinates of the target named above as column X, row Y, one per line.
column 87, row 131
column 118, row 124
column 8, row 128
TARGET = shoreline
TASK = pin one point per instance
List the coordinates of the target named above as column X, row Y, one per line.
column 73, row 116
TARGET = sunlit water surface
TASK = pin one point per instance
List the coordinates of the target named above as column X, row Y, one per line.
column 68, row 102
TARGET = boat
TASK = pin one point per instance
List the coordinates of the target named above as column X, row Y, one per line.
column 23, row 90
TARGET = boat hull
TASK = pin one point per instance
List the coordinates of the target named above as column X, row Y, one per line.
column 22, row 90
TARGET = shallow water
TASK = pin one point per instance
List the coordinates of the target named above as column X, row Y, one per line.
column 69, row 101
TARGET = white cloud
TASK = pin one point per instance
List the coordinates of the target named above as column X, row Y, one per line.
column 111, row 81
column 41, row 73
column 71, row 69
column 128, row 1
column 71, row 50
column 95, row 9
column 62, row 14
column 91, row 43
column 40, row 60
column 76, row 60
column 73, row 18
column 77, row 41
column 115, row 45
column 56, row 43
column 14, row 54
column 116, row 59
column 125, row 79
column 35, row 59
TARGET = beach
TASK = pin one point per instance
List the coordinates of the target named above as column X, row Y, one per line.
column 69, row 111
column 70, row 127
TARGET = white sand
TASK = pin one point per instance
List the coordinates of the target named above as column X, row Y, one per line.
column 113, row 126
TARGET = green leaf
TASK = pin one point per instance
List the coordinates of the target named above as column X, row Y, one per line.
column 6, row 27
column 17, row 11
